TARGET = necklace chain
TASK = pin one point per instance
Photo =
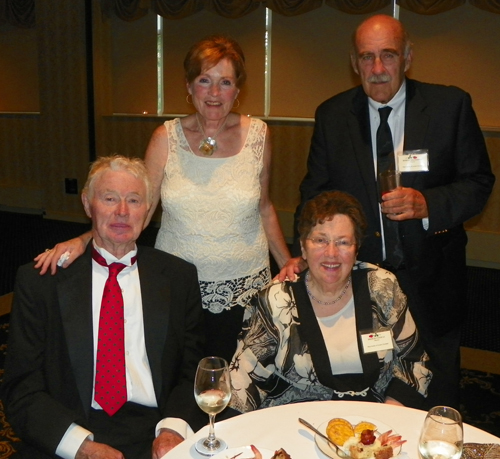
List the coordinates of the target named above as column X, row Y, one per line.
column 327, row 303
column 208, row 145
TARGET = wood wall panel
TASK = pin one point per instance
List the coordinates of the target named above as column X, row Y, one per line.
column 21, row 183
column 19, row 91
column 489, row 220
column 128, row 136
column 290, row 143
column 63, row 150
column 19, row 136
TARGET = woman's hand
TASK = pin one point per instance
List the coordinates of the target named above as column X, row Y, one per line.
column 292, row 267
column 257, row 453
column 71, row 250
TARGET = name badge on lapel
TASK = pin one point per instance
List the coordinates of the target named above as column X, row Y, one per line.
column 380, row 340
column 413, row 161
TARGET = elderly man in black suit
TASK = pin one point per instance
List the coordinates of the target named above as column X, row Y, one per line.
column 430, row 134
column 102, row 356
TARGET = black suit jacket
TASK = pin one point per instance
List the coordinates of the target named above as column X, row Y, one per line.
column 456, row 188
column 49, row 369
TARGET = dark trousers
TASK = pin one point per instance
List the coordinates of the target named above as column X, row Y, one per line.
column 131, row 430
column 443, row 348
column 444, row 354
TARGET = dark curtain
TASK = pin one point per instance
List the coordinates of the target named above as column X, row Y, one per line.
column 19, row 13
column 128, row 10
column 177, row 9
column 358, row 6
column 429, row 6
column 493, row 6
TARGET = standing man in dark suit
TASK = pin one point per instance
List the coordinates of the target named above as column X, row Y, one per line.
column 56, row 390
column 446, row 179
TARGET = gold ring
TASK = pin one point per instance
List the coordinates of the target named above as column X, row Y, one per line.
column 48, row 250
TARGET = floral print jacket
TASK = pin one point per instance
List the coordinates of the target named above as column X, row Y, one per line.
column 282, row 358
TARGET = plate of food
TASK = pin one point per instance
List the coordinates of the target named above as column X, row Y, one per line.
column 360, row 437
column 246, row 452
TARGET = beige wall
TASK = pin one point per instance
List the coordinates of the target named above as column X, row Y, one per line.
column 38, row 151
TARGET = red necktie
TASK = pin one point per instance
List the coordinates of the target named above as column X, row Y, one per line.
column 110, row 380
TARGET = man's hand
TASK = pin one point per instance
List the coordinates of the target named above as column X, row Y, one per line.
column 48, row 259
column 292, row 267
column 92, row 450
column 404, row 204
column 165, row 442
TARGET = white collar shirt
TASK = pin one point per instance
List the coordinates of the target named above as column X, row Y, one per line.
column 138, row 372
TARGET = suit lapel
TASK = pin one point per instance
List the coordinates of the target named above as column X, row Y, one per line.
column 75, row 301
column 156, row 308
column 416, row 122
column 359, row 128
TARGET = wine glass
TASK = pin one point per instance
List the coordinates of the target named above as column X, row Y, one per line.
column 212, row 391
column 442, row 434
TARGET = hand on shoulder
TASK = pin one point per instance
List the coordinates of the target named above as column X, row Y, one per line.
column 63, row 254
column 290, row 270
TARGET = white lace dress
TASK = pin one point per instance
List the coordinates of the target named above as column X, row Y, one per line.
column 211, row 218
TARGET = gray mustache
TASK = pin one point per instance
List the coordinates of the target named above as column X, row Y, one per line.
column 379, row 79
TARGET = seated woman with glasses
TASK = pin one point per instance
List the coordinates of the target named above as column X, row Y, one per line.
column 342, row 331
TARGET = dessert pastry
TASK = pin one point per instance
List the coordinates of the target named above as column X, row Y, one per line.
column 281, row 454
column 367, row 445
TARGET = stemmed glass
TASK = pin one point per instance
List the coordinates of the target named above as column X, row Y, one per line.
column 442, row 434
column 212, row 391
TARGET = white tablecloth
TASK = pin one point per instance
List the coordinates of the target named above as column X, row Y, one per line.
column 278, row 427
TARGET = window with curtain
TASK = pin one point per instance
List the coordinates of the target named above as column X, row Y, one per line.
column 309, row 58
column 134, row 65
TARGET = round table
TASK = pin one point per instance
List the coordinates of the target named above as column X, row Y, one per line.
column 278, row 427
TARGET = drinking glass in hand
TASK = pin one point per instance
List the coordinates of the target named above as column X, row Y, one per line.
column 212, row 391
column 388, row 180
column 442, row 434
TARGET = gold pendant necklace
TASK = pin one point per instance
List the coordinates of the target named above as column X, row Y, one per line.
column 208, row 145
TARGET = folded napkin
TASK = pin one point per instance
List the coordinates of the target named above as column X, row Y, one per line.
column 481, row 451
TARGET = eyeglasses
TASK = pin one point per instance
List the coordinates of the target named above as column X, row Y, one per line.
column 323, row 243
column 387, row 58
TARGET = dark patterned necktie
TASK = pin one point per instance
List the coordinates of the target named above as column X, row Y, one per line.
column 386, row 161
column 385, row 147
column 110, row 380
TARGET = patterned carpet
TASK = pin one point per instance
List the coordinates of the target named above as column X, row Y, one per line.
column 8, row 438
column 480, row 400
